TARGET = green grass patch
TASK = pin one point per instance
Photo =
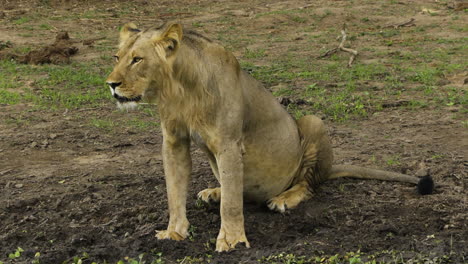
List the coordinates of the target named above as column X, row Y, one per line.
column 10, row 98
column 339, row 104
column 45, row 26
column 55, row 86
column 21, row 20
column 108, row 124
column 254, row 54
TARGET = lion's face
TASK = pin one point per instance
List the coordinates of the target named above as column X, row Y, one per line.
column 143, row 63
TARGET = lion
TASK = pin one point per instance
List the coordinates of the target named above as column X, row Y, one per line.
column 256, row 150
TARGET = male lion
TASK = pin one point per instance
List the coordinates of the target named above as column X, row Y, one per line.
column 256, row 150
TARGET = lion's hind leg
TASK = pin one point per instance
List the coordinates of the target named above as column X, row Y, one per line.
column 290, row 198
column 318, row 155
column 210, row 195
column 316, row 163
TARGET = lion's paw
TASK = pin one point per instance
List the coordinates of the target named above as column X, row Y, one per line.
column 210, row 195
column 166, row 234
column 290, row 198
column 223, row 243
column 277, row 204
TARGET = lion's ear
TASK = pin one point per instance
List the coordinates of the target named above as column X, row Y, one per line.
column 171, row 38
column 127, row 31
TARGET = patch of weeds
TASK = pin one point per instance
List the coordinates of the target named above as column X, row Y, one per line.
column 28, row 28
column 324, row 15
column 254, row 54
column 283, row 92
column 415, row 104
column 192, row 260
column 57, row 86
column 45, row 26
column 465, row 123
column 18, row 121
column 452, row 96
column 140, row 260
column 149, row 110
column 79, row 259
column 143, row 258
column 90, row 14
column 393, row 82
column 276, row 12
column 198, row 24
column 394, row 160
column 284, row 258
column 296, row 112
column 424, row 75
column 298, row 19
column 339, row 104
column 358, row 257
column 365, row 72
column 271, row 74
column 5, row 44
column 192, row 232
column 459, row 28
column 10, row 98
column 21, row 20
column 22, row 49
column 142, row 125
column 16, row 254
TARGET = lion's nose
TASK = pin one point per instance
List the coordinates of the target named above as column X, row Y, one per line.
column 114, row 85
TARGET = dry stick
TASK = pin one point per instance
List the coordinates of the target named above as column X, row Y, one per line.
column 404, row 24
column 341, row 47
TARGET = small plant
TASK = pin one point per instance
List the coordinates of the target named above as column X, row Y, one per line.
column 16, row 254
column 393, row 161
column 197, row 24
column 192, row 232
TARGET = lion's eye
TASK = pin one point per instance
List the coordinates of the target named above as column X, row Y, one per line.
column 136, row 59
column 116, row 58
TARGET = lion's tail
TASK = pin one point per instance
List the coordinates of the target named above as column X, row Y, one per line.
column 425, row 184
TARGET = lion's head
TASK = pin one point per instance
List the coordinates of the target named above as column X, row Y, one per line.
column 143, row 63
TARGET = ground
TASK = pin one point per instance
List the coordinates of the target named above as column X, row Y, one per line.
column 82, row 181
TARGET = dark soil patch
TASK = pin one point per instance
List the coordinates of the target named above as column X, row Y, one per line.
column 58, row 52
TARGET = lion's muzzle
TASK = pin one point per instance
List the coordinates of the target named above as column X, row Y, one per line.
column 122, row 99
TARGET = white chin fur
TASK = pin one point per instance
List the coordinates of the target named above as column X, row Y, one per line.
column 127, row 106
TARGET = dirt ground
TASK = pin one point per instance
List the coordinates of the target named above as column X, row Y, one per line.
column 68, row 188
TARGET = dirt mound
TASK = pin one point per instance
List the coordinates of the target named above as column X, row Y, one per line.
column 58, row 52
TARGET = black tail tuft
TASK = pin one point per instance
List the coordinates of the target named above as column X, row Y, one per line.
column 425, row 185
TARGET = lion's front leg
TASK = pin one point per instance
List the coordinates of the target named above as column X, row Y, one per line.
column 177, row 167
column 231, row 178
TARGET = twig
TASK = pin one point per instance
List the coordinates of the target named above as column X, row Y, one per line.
column 341, row 47
column 306, row 6
column 408, row 23
column 5, row 172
